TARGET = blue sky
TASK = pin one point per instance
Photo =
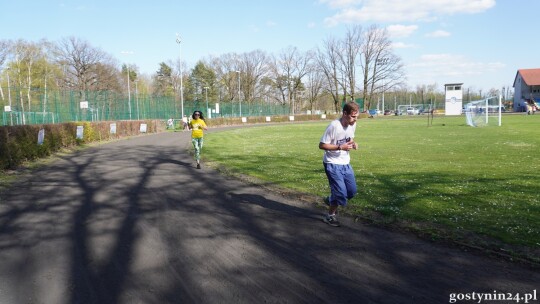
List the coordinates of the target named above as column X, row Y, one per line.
column 480, row 43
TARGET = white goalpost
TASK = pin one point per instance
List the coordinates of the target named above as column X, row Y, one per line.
column 481, row 113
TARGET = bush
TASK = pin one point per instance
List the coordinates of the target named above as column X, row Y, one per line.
column 20, row 143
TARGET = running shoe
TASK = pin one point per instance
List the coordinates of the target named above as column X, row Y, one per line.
column 331, row 220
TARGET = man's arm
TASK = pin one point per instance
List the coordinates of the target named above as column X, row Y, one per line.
column 345, row 147
column 329, row 147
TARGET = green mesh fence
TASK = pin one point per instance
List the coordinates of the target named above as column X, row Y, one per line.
column 47, row 107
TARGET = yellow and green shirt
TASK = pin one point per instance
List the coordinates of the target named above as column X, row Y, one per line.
column 196, row 126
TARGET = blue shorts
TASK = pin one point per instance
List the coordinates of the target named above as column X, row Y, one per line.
column 342, row 183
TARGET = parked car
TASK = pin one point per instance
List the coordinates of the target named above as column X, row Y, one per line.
column 373, row 112
column 412, row 111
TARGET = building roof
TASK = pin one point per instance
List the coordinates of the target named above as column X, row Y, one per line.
column 530, row 76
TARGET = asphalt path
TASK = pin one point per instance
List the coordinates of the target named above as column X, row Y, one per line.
column 133, row 221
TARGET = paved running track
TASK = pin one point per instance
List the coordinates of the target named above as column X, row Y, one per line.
column 133, row 221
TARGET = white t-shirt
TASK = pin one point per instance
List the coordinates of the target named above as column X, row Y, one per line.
column 335, row 134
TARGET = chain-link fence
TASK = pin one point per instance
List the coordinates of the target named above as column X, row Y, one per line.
column 44, row 107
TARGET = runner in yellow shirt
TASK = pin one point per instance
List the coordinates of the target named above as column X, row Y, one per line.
column 197, row 125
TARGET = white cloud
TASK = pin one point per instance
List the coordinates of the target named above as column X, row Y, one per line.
column 399, row 30
column 402, row 45
column 438, row 34
column 270, row 23
column 312, row 25
column 401, row 11
column 340, row 3
column 447, row 68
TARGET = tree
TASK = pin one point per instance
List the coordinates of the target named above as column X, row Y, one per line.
column 314, row 85
column 105, row 78
column 201, row 77
column 351, row 47
column 254, row 68
column 5, row 46
column 287, row 70
column 382, row 69
column 79, row 61
column 163, row 81
column 26, row 54
column 129, row 74
column 225, row 66
column 328, row 61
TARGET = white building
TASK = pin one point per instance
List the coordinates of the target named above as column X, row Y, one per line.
column 526, row 89
column 453, row 98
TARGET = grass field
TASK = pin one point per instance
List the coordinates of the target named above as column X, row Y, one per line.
column 448, row 175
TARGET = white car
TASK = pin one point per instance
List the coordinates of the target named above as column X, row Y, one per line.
column 412, row 111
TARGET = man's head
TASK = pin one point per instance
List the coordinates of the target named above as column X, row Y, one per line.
column 350, row 113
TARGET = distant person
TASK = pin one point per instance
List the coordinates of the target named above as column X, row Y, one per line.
column 197, row 125
column 170, row 123
column 337, row 141
column 185, row 122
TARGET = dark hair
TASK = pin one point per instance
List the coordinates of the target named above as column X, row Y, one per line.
column 197, row 112
column 350, row 107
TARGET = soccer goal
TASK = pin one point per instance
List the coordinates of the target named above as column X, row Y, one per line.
column 485, row 112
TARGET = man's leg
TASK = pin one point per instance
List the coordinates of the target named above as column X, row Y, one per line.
column 350, row 182
column 338, row 192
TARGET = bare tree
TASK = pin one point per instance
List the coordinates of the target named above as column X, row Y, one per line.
column 287, row 71
column 105, row 78
column 381, row 68
column 225, row 67
column 80, row 61
column 351, row 49
column 26, row 54
column 5, row 47
column 328, row 60
column 314, row 85
column 254, row 66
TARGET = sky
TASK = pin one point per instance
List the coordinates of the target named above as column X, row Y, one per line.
column 480, row 43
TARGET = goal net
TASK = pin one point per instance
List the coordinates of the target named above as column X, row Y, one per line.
column 485, row 112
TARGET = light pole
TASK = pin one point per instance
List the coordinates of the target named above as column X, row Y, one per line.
column 9, row 98
column 207, row 110
column 383, row 61
column 239, row 101
column 137, row 99
column 179, row 40
column 129, row 92
column 128, row 78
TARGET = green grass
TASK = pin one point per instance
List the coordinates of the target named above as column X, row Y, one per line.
column 449, row 175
